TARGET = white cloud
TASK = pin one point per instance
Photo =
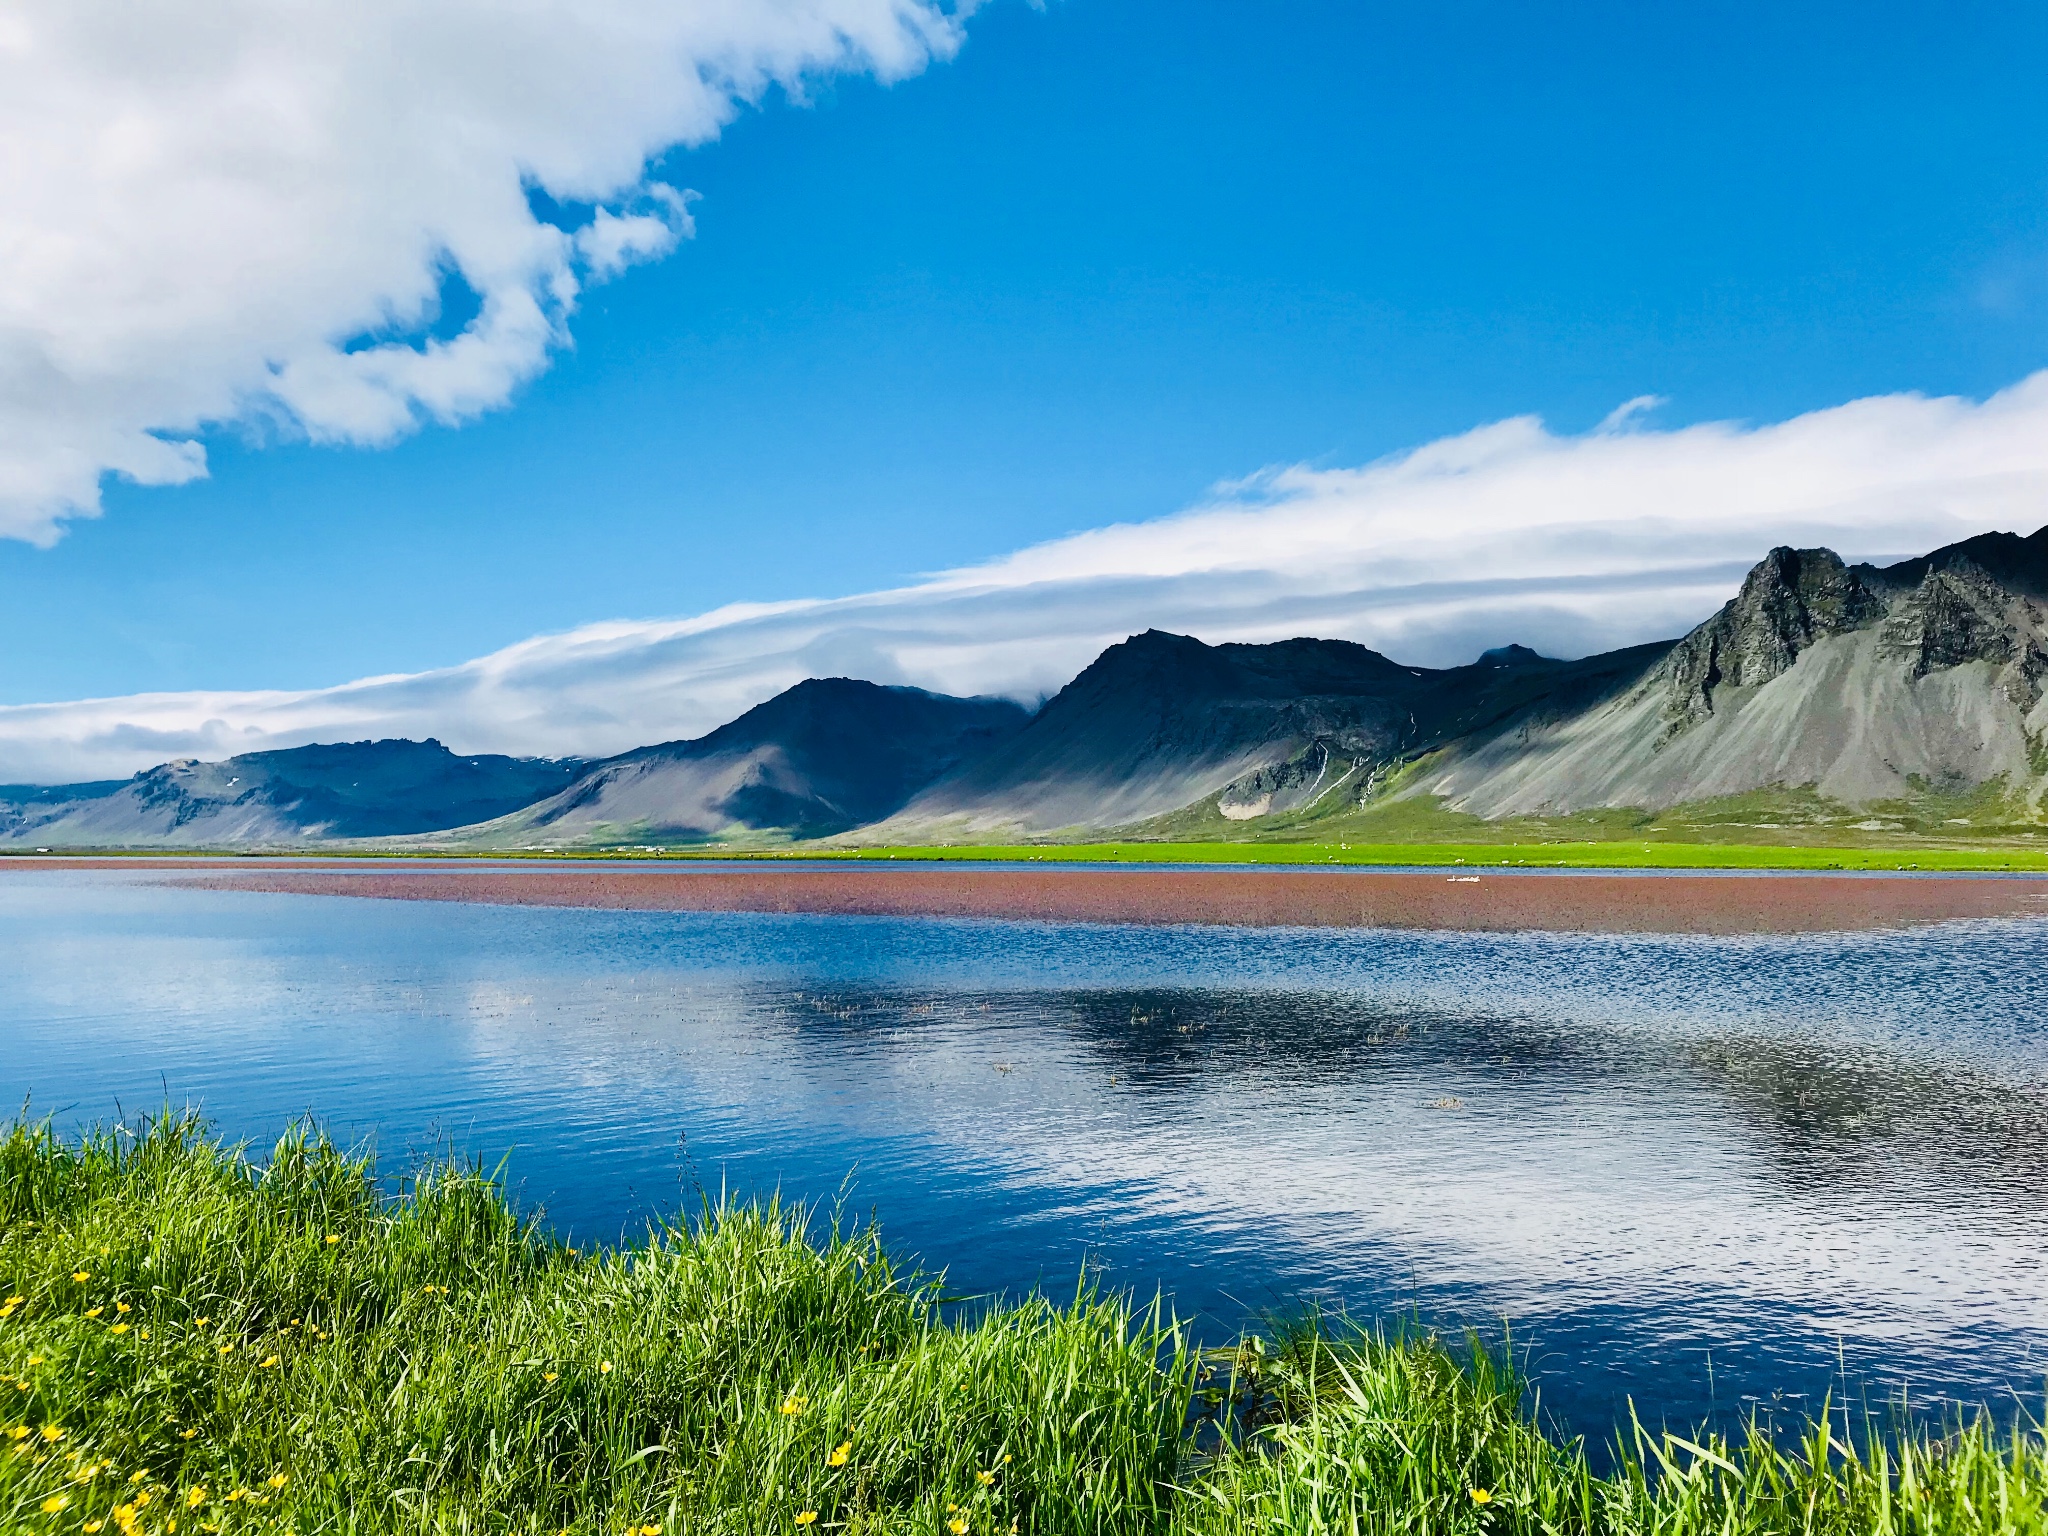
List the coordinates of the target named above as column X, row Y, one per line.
column 224, row 212
column 1509, row 532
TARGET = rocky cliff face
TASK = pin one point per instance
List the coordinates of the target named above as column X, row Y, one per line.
column 1792, row 598
column 1960, row 613
column 1944, row 610
column 1858, row 680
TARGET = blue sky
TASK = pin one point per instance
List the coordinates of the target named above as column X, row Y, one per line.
column 1114, row 252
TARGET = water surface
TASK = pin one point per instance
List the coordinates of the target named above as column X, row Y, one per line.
column 1700, row 1173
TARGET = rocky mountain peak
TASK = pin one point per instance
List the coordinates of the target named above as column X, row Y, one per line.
column 1961, row 613
column 1790, row 599
column 2019, row 565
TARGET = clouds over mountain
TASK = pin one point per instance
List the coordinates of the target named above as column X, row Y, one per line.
column 270, row 214
column 1509, row 532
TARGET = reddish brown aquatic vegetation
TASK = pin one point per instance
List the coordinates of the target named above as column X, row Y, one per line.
column 1470, row 898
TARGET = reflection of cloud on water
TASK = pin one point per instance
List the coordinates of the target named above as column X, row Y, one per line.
column 1579, row 1172
column 1808, row 1132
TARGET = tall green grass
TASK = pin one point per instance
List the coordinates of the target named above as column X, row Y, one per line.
column 191, row 1342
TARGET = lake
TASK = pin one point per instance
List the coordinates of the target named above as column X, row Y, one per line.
column 1700, row 1174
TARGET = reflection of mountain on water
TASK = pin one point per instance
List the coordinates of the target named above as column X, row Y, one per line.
column 1171, row 1037
column 1785, row 1153
column 1827, row 1121
column 1174, row 1038
column 1880, row 1124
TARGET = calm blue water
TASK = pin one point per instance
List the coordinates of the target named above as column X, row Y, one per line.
column 1700, row 1173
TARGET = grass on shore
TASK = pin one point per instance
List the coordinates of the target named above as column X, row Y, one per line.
column 190, row 1342
column 1989, row 827
column 1547, row 855
column 1530, row 855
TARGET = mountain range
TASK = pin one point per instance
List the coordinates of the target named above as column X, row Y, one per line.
column 1855, row 685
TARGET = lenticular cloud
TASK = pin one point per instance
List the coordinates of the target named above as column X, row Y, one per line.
column 1506, row 533
column 246, row 210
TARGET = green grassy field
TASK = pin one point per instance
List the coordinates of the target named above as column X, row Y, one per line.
column 1604, row 855
column 1984, row 828
column 1611, row 854
column 190, row 1342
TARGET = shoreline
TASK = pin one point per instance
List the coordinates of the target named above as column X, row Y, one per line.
column 1516, row 900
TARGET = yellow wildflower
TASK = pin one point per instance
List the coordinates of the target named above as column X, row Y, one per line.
column 806, row 1517
column 333, row 1238
column 142, row 1333
column 794, row 1404
column 52, row 1432
column 118, row 1328
column 278, row 1479
column 957, row 1526
column 547, row 1375
column 19, row 1432
column 604, row 1367
column 227, row 1349
column 201, row 1322
column 81, row 1275
column 839, row 1454
column 985, row 1478
column 35, row 1359
column 122, row 1306
column 95, row 1311
column 266, row 1364
column 1481, row 1495
column 186, row 1434
column 93, row 1525
column 137, row 1477
column 238, row 1495
column 54, row 1503
column 195, row 1498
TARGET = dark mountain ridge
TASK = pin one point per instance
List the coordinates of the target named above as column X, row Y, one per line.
column 1161, row 721
column 1858, row 682
column 339, row 790
column 822, row 757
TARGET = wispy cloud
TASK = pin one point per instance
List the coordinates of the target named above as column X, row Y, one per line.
column 245, row 211
column 1509, row 532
